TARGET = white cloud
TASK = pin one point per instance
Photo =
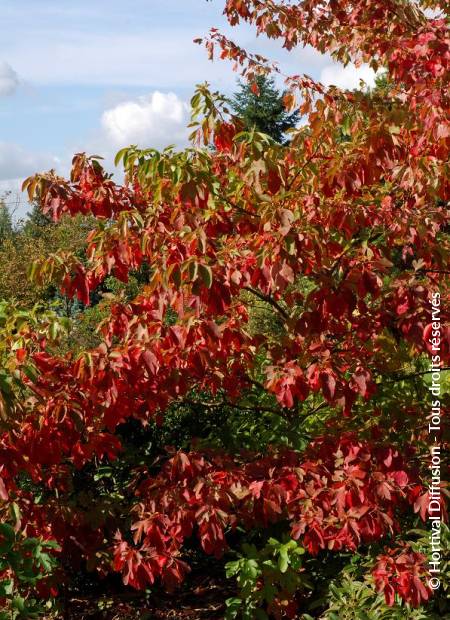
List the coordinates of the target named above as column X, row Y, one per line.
column 347, row 77
column 9, row 80
column 18, row 163
column 154, row 120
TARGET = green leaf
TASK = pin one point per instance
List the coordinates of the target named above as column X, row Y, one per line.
column 6, row 588
column 53, row 330
column 283, row 560
column 15, row 513
column 233, row 606
column 176, row 276
column 7, row 531
column 206, row 275
column 30, row 372
column 232, row 568
column 193, row 270
column 18, row 603
column 120, row 155
column 346, row 126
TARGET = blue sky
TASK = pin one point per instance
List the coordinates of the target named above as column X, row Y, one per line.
column 96, row 75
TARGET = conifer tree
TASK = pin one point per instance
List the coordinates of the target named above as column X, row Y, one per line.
column 262, row 108
column 6, row 223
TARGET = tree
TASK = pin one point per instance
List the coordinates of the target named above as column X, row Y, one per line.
column 32, row 238
column 6, row 223
column 36, row 223
column 344, row 245
column 260, row 106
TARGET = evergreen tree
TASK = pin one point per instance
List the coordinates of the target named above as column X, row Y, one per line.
column 265, row 110
column 36, row 222
column 6, row 223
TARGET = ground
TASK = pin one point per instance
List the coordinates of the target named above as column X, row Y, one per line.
column 202, row 597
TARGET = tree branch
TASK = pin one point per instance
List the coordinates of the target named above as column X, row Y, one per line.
column 433, row 271
column 316, row 409
column 257, row 384
column 268, row 299
column 306, row 163
column 226, row 403
column 238, row 209
column 417, row 374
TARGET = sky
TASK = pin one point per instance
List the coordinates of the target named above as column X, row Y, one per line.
column 98, row 75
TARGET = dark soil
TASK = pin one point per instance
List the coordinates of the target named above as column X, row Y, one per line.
column 201, row 597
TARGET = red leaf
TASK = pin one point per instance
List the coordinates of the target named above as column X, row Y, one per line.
column 151, row 362
column 3, row 492
column 328, row 383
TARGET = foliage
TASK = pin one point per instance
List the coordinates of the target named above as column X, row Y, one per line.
column 352, row 600
column 260, row 106
column 6, row 223
column 268, row 579
column 25, row 564
column 21, row 332
column 15, row 254
column 34, row 238
column 265, row 281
